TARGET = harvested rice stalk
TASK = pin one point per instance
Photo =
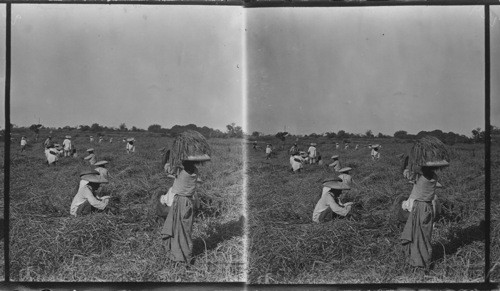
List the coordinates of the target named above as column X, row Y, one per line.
column 428, row 151
column 189, row 145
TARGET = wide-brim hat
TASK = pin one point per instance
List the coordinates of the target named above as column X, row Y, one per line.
column 375, row 146
column 100, row 163
column 198, row 158
column 346, row 169
column 90, row 150
column 94, row 178
column 335, row 156
column 89, row 172
column 313, row 144
column 336, row 184
column 131, row 139
column 68, row 136
column 436, row 164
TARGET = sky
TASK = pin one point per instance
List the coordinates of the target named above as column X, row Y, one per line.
column 138, row 65
column 316, row 70
column 495, row 65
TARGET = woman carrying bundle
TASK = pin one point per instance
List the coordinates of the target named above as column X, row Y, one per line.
column 189, row 150
column 427, row 155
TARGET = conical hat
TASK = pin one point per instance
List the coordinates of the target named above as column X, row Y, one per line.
column 346, row 169
column 100, row 163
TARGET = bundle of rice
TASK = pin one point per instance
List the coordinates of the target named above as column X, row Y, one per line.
column 189, row 146
column 428, row 151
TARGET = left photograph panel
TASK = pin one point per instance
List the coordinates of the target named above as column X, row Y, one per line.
column 126, row 153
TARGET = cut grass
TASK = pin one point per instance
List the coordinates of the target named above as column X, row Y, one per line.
column 49, row 245
column 286, row 247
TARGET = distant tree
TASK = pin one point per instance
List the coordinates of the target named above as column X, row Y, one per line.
column 154, row 128
column 477, row 135
column 331, row 134
column 342, row 134
column 134, row 128
column 401, row 134
column 255, row 134
column 95, row 127
column 84, row 127
column 369, row 133
column 122, row 127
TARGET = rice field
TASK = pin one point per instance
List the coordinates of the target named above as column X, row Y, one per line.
column 49, row 245
column 285, row 247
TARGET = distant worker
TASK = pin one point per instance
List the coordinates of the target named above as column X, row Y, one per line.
column 91, row 139
column 110, row 140
column 101, row 168
column 375, row 151
column 320, row 161
column 254, row 145
column 329, row 206
column 91, row 157
column 312, row 153
column 294, row 149
column 85, row 200
column 47, row 141
column 24, row 142
column 67, row 146
column 356, row 148
column 130, row 145
column 268, row 151
column 296, row 161
column 51, row 154
column 346, row 147
column 101, row 139
column 345, row 176
column 337, row 145
column 336, row 163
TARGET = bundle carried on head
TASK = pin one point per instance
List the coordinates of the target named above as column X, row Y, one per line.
column 189, row 146
column 428, row 151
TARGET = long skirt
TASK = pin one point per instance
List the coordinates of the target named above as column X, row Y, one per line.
column 417, row 233
column 178, row 228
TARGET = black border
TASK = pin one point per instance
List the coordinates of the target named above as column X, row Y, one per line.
column 485, row 285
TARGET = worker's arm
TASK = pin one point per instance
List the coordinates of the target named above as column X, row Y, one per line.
column 99, row 204
column 343, row 211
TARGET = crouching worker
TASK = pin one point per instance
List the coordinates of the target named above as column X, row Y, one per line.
column 85, row 200
column 296, row 161
column 329, row 205
column 189, row 150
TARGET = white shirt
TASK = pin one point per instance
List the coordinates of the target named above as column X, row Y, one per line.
column 130, row 147
column 326, row 201
column 294, row 162
column 268, row 150
column 67, row 144
column 23, row 142
column 85, row 194
column 312, row 151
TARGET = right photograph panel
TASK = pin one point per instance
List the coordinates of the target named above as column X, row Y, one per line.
column 366, row 148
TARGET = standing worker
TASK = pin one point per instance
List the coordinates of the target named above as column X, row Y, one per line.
column 67, row 146
column 427, row 155
column 24, row 142
column 268, row 151
column 190, row 149
column 312, row 153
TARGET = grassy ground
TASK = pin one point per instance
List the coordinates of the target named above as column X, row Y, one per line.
column 49, row 245
column 495, row 212
column 286, row 247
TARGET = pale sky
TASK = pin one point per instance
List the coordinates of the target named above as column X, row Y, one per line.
column 366, row 68
column 141, row 65
column 495, row 64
